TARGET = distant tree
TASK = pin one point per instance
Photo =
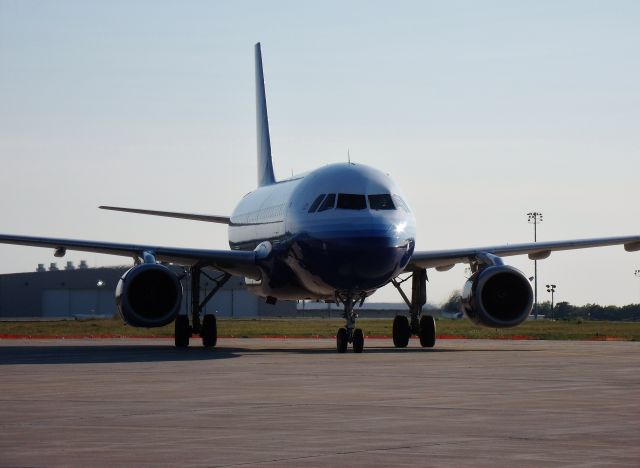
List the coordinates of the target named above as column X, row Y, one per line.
column 453, row 303
column 544, row 308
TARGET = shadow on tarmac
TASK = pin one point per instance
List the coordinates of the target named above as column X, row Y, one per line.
column 96, row 354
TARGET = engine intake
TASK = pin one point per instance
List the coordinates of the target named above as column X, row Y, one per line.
column 149, row 295
column 497, row 296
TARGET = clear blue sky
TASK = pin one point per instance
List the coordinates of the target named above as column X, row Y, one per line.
column 481, row 111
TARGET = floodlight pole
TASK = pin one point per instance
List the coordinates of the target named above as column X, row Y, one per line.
column 637, row 273
column 552, row 289
column 535, row 217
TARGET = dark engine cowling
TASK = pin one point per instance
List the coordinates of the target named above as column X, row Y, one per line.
column 149, row 295
column 497, row 296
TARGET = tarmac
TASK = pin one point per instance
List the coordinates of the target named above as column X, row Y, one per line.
column 289, row 403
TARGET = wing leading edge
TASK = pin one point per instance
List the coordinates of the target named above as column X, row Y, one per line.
column 233, row 261
column 443, row 260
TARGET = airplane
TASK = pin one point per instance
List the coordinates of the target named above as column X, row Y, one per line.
column 337, row 233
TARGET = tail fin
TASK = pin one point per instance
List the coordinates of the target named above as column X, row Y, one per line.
column 265, row 166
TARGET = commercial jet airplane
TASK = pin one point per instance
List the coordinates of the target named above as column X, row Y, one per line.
column 337, row 233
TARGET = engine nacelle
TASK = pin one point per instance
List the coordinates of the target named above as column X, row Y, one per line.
column 149, row 295
column 497, row 296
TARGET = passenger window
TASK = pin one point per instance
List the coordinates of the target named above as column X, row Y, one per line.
column 316, row 203
column 381, row 202
column 350, row 201
column 328, row 202
column 400, row 202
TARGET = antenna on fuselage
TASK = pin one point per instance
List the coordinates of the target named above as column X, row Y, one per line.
column 348, row 156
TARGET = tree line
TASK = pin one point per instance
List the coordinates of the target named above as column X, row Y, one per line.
column 567, row 311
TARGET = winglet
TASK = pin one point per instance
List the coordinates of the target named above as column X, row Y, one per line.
column 265, row 166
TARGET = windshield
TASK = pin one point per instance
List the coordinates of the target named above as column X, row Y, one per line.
column 328, row 202
column 351, row 201
column 381, row 202
column 316, row 203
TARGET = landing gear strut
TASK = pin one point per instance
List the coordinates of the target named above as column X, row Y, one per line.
column 348, row 333
column 207, row 329
column 424, row 327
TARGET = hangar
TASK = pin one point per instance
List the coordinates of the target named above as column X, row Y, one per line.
column 80, row 291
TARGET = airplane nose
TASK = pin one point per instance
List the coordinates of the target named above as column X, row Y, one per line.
column 357, row 260
column 368, row 263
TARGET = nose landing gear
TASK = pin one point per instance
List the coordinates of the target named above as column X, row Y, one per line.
column 423, row 326
column 349, row 334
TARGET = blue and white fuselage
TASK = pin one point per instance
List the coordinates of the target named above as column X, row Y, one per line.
column 343, row 228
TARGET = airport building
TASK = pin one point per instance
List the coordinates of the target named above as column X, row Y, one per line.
column 80, row 291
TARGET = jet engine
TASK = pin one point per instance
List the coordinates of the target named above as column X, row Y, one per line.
column 497, row 296
column 149, row 295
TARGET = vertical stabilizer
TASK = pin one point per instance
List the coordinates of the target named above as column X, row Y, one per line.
column 265, row 166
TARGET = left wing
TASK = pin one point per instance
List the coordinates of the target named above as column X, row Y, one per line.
column 233, row 261
column 443, row 260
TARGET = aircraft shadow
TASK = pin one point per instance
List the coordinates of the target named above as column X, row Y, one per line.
column 110, row 354
column 368, row 350
column 96, row 354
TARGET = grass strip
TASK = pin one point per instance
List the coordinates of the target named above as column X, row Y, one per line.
column 254, row 328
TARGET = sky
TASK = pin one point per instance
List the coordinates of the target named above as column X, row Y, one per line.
column 482, row 111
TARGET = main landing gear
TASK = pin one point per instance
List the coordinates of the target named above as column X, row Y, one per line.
column 348, row 334
column 208, row 328
column 422, row 326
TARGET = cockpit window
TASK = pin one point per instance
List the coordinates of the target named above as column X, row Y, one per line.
column 351, row 201
column 328, row 202
column 400, row 202
column 381, row 202
column 316, row 203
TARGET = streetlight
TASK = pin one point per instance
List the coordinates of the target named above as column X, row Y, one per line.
column 637, row 273
column 535, row 217
column 552, row 289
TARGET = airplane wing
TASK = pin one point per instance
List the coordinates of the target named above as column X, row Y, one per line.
column 232, row 261
column 172, row 214
column 443, row 260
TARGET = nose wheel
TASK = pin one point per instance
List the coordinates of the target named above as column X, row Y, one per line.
column 422, row 326
column 342, row 340
column 348, row 333
column 358, row 340
column 427, row 331
column 401, row 331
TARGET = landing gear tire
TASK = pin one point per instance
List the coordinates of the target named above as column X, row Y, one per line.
column 342, row 341
column 358, row 340
column 182, row 331
column 401, row 331
column 209, row 331
column 427, row 331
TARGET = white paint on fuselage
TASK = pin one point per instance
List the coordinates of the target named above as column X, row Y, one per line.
column 281, row 209
column 261, row 214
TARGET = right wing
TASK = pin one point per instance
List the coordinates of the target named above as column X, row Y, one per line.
column 238, row 262
column 443, row 260
column 172, row 214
